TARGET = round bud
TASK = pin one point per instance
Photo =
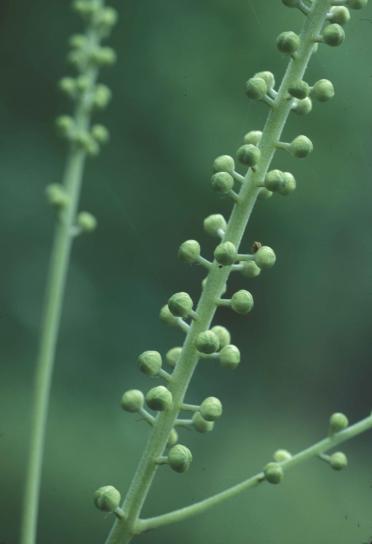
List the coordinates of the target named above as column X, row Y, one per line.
column 337, row 422
column 56, row 195
column 224, row 163
column 274, row 180
column 226, row 253
column 68, row 86
column 256, row 88
column 357, row 4
column 242, row 302
column 86, row 221
column 333, row 35
column 173, row 355
column 222, row 182
column 264, row 194
column 303, row 107
column 107, row 498
column 248, row 154
column 211, row 409
column 173, row 438
column 207, row 342
column 268, row 78
column 290, row 3
column 179, row 458
column 200, row 424
column 65, row 125
column 273, row 473
column 288, row 42
column 83, row 83
column 301, row 147
column 265, row 257
column 107, row 17
column 339, row 15
column 180, row 304
column 77, row 41
column 213, row 223
column 167, row 317
column 159, row 398
column 189, row 251
column 338, row 460
column 282, row 455
column 150, row 362
column 101, row 97
column 229, row 356
column 100, row 134
column 253, row 137
column 323, row 90
column 250, row 269
column 132, row 400
column 103, row 56
column 289, row 184
column 223, row 335
column 299, row 90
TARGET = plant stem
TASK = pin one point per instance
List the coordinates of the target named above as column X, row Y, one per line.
column 124, row 530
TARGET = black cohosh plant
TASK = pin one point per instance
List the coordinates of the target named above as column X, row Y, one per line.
column 165, row 406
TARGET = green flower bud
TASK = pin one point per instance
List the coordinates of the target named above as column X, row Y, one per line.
column 274, row 180
column 77, row 41
column 213, row 223
column 77, row 58
column 159, row 398
column 83, row 83
column 56, row 195
column 248, row 154
column 87, row 142
column 301, row 147
column 179, row 458
column 333, row 35
column 265, row 257
column 303, row 107
column 173, row 355
column 150, row 362
column 65, row 126
column 211, row 409
column 339, row 15
column 200, row 424
column 264, row 194
column 288, row 42
column 299, row 90
column 102, row 96
column 273, row 473
column 253, row 137
column 268, row 78
column 107, row 498
column 132, row 400
column 167, row 317
column 173, row 438
column 222, row 182
column 189, row 251
column 224, row 163
column 337, row 422
column 256, row 88
column 357, row 4
column 86, row 221
column 84, row 7
column 226, row 253
column 282, row 455
column 100, row 134
column 250, row 269
column 242, row 302
column 223, row 335
column 229, row 356
column 104, row 56
column 180, row 304
column 338, row 460
column 289, row 184
column 68, row 86
column 323, row 90
column 207, row 342
column 107, row 17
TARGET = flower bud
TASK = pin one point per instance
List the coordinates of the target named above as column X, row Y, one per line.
column 179, row 458
column 101, row 96
column 67, row 85
column 107, row 498
column 180, row 304
column 338, row 460
column 299, row 90
column 207, row 342
column 282, row 455
column 226, row 253
column 189, row 251
column 83, row 7
column 132, row 400
column 224, row 163
column 223, row 335
column 253, row 137
column 65, row 125
column 248, row 154
column 301, row 147
column 100, row 134
column 150, row 362
column 173, row 438
column 323, row 90
column 107, row 17
column 213, row 223
column 250, row 269
column 104, row 56
column 86, row 221
column 159, row 398
column 242, row 302
column 56, row 195
column 83, row 83
column 333, row 35
column 229, row 356
column 167, row 317
column 222, row 182
column 303, row 107
column 256, row 88
column 289, row 184
column 77, row 41
column 265, row 257
column 273, row 473
column 264, row 194
column 274, row 180
column 173, row 355
column 211, row 409
column 339, row 15
column 357, row 4
column 288, row 42
column 268, row 78
column 200, row 424
column 337, row 422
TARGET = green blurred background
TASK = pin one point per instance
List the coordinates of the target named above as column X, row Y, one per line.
column 179, row 102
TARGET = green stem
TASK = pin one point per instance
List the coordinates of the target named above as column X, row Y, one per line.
column 201, row 506
column 124, row 530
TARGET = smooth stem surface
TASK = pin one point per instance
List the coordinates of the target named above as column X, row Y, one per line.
column 124, row 529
